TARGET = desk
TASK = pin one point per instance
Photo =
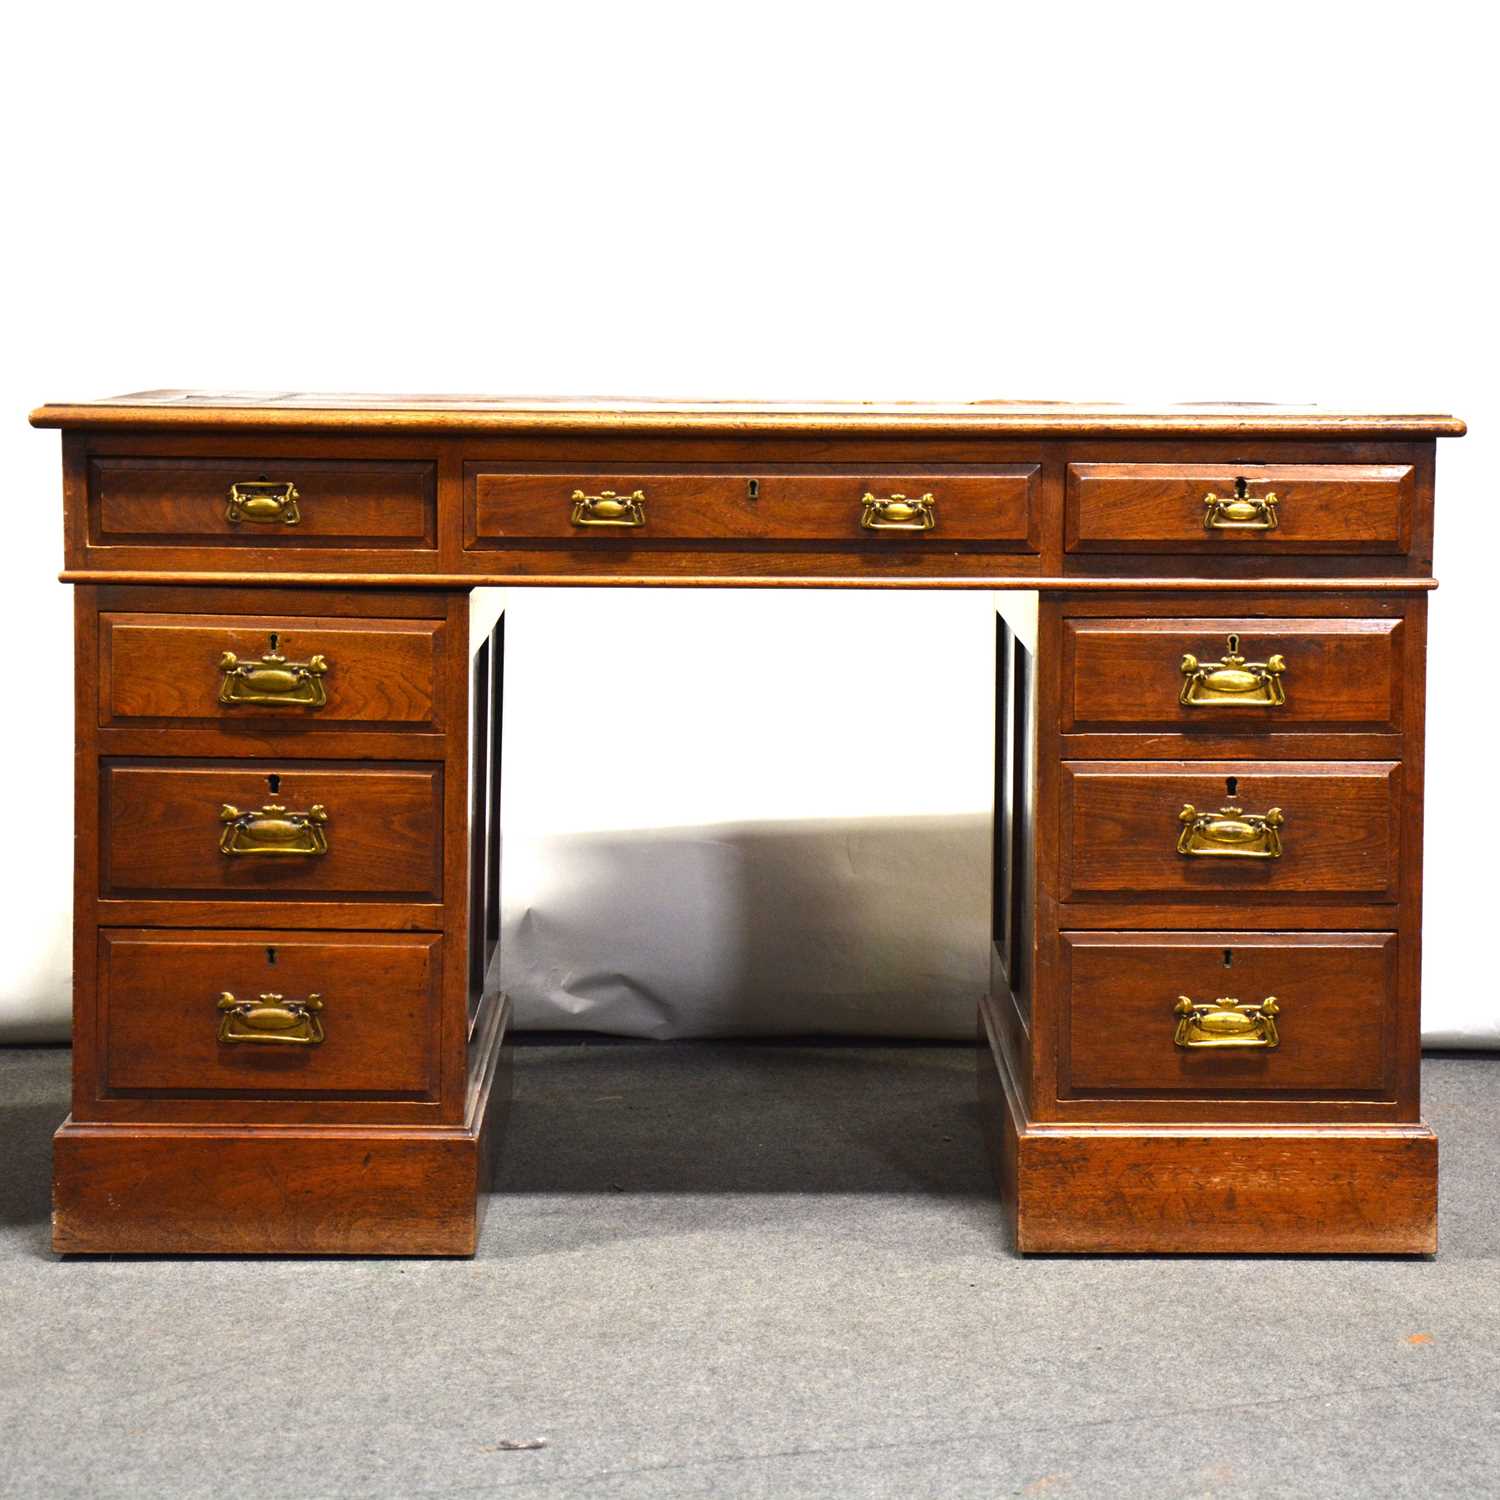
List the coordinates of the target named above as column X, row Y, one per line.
column 1202, row 1029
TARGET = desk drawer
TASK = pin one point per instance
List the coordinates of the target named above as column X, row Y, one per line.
column 1126, row 1030
column 199, row 669
column 262, row 502
column 878, row 507
column 1152, row 674
column 1264, row 830
column 268, row 1013
column 254, row 830
column 1218, row 508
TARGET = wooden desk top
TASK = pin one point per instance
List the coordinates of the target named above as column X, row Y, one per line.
column 186, row 411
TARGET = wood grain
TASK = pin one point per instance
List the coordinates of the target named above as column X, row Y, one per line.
column 158, row 994
column 1159, row 507
column 1342, row 838
column 1337, row 993
column 162, row 670
column 995, row 508
column 160, row 830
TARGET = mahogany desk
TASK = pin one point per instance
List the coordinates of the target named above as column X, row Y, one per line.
column 1202, row 1026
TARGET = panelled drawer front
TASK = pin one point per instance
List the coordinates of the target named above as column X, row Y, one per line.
column 995, row 507
column 1160, row 507
column 337, row 1013
column 175, row 669
column 1338, row 833
column 1152, row 674
column 302, row 830
column 1335, row 995
column 188, row 502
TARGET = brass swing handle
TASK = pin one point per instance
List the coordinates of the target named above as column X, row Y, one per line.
column 273, row 831
column 273, row 681
column 268, row 502
column 1232, row 681
column 270, row 1020
column 897, row 513
column 1239, row 511
column 609, row 509
column 1230, row 833
column 1227, row 1023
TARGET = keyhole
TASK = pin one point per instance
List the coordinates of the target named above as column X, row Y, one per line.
column 274, row 782
column 753, row 489
column 270, row 955
column 1228, row 958
column 1231, row 784
column 1239, row 489
column 274, row 639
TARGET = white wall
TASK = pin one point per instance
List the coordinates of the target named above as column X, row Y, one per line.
column 1283, row 202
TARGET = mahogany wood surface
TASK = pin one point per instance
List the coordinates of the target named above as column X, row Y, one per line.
column 1157, row 507
column 1336, row 993
column 163, row 669
column 381, row 1005
column 768, row 506
column 182, row 501
column 1341, row 838
column 1088, row 522
column 162, row 830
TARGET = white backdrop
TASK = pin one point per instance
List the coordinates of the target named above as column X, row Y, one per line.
column 1148, row 202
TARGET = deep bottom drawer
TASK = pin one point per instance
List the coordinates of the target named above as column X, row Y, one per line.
column 269, row 1013
column 1126, row 1029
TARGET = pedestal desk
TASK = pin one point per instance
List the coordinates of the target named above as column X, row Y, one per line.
column 1201, row 1032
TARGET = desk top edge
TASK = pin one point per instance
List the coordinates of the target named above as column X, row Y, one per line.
column 183, row 410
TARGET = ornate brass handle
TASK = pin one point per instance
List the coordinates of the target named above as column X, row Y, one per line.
column 269, row 502
column 609, row 509
column 273, row 830
column 1239, row 511
column 1232, row 680
column 1227, row 1023
column 1231, row 832
column 271, row 1020
column 897, row 513
column 274, row 681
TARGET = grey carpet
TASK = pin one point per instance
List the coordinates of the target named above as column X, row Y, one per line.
column 750, row 1270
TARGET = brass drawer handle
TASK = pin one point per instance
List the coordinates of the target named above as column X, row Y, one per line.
column 897, row 513
column 1231, row 833
column 609, row 509
column 1227, row 1023
column 273, row 681
column 1239, row 511
column 273, row 830
column 265, row 501
column 270, row 1020
column 1232, row 680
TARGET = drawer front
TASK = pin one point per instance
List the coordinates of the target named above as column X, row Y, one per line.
column 1147, row 507
column 1262, row 829
column 1126, row 1027
column 262, row 502
column 254, row 830
column 194, row 669
column 269, row 1013
column 595, row 507
column 1232, row 675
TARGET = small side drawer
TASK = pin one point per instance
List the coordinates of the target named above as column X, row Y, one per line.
column 876, row 507
column 268, row 1013
column 1333, row 1025
column 1232, row 675
column 252, row 830
column 1161, row 507
column 262, row 502
column 1262, row 830
column 161, row 669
